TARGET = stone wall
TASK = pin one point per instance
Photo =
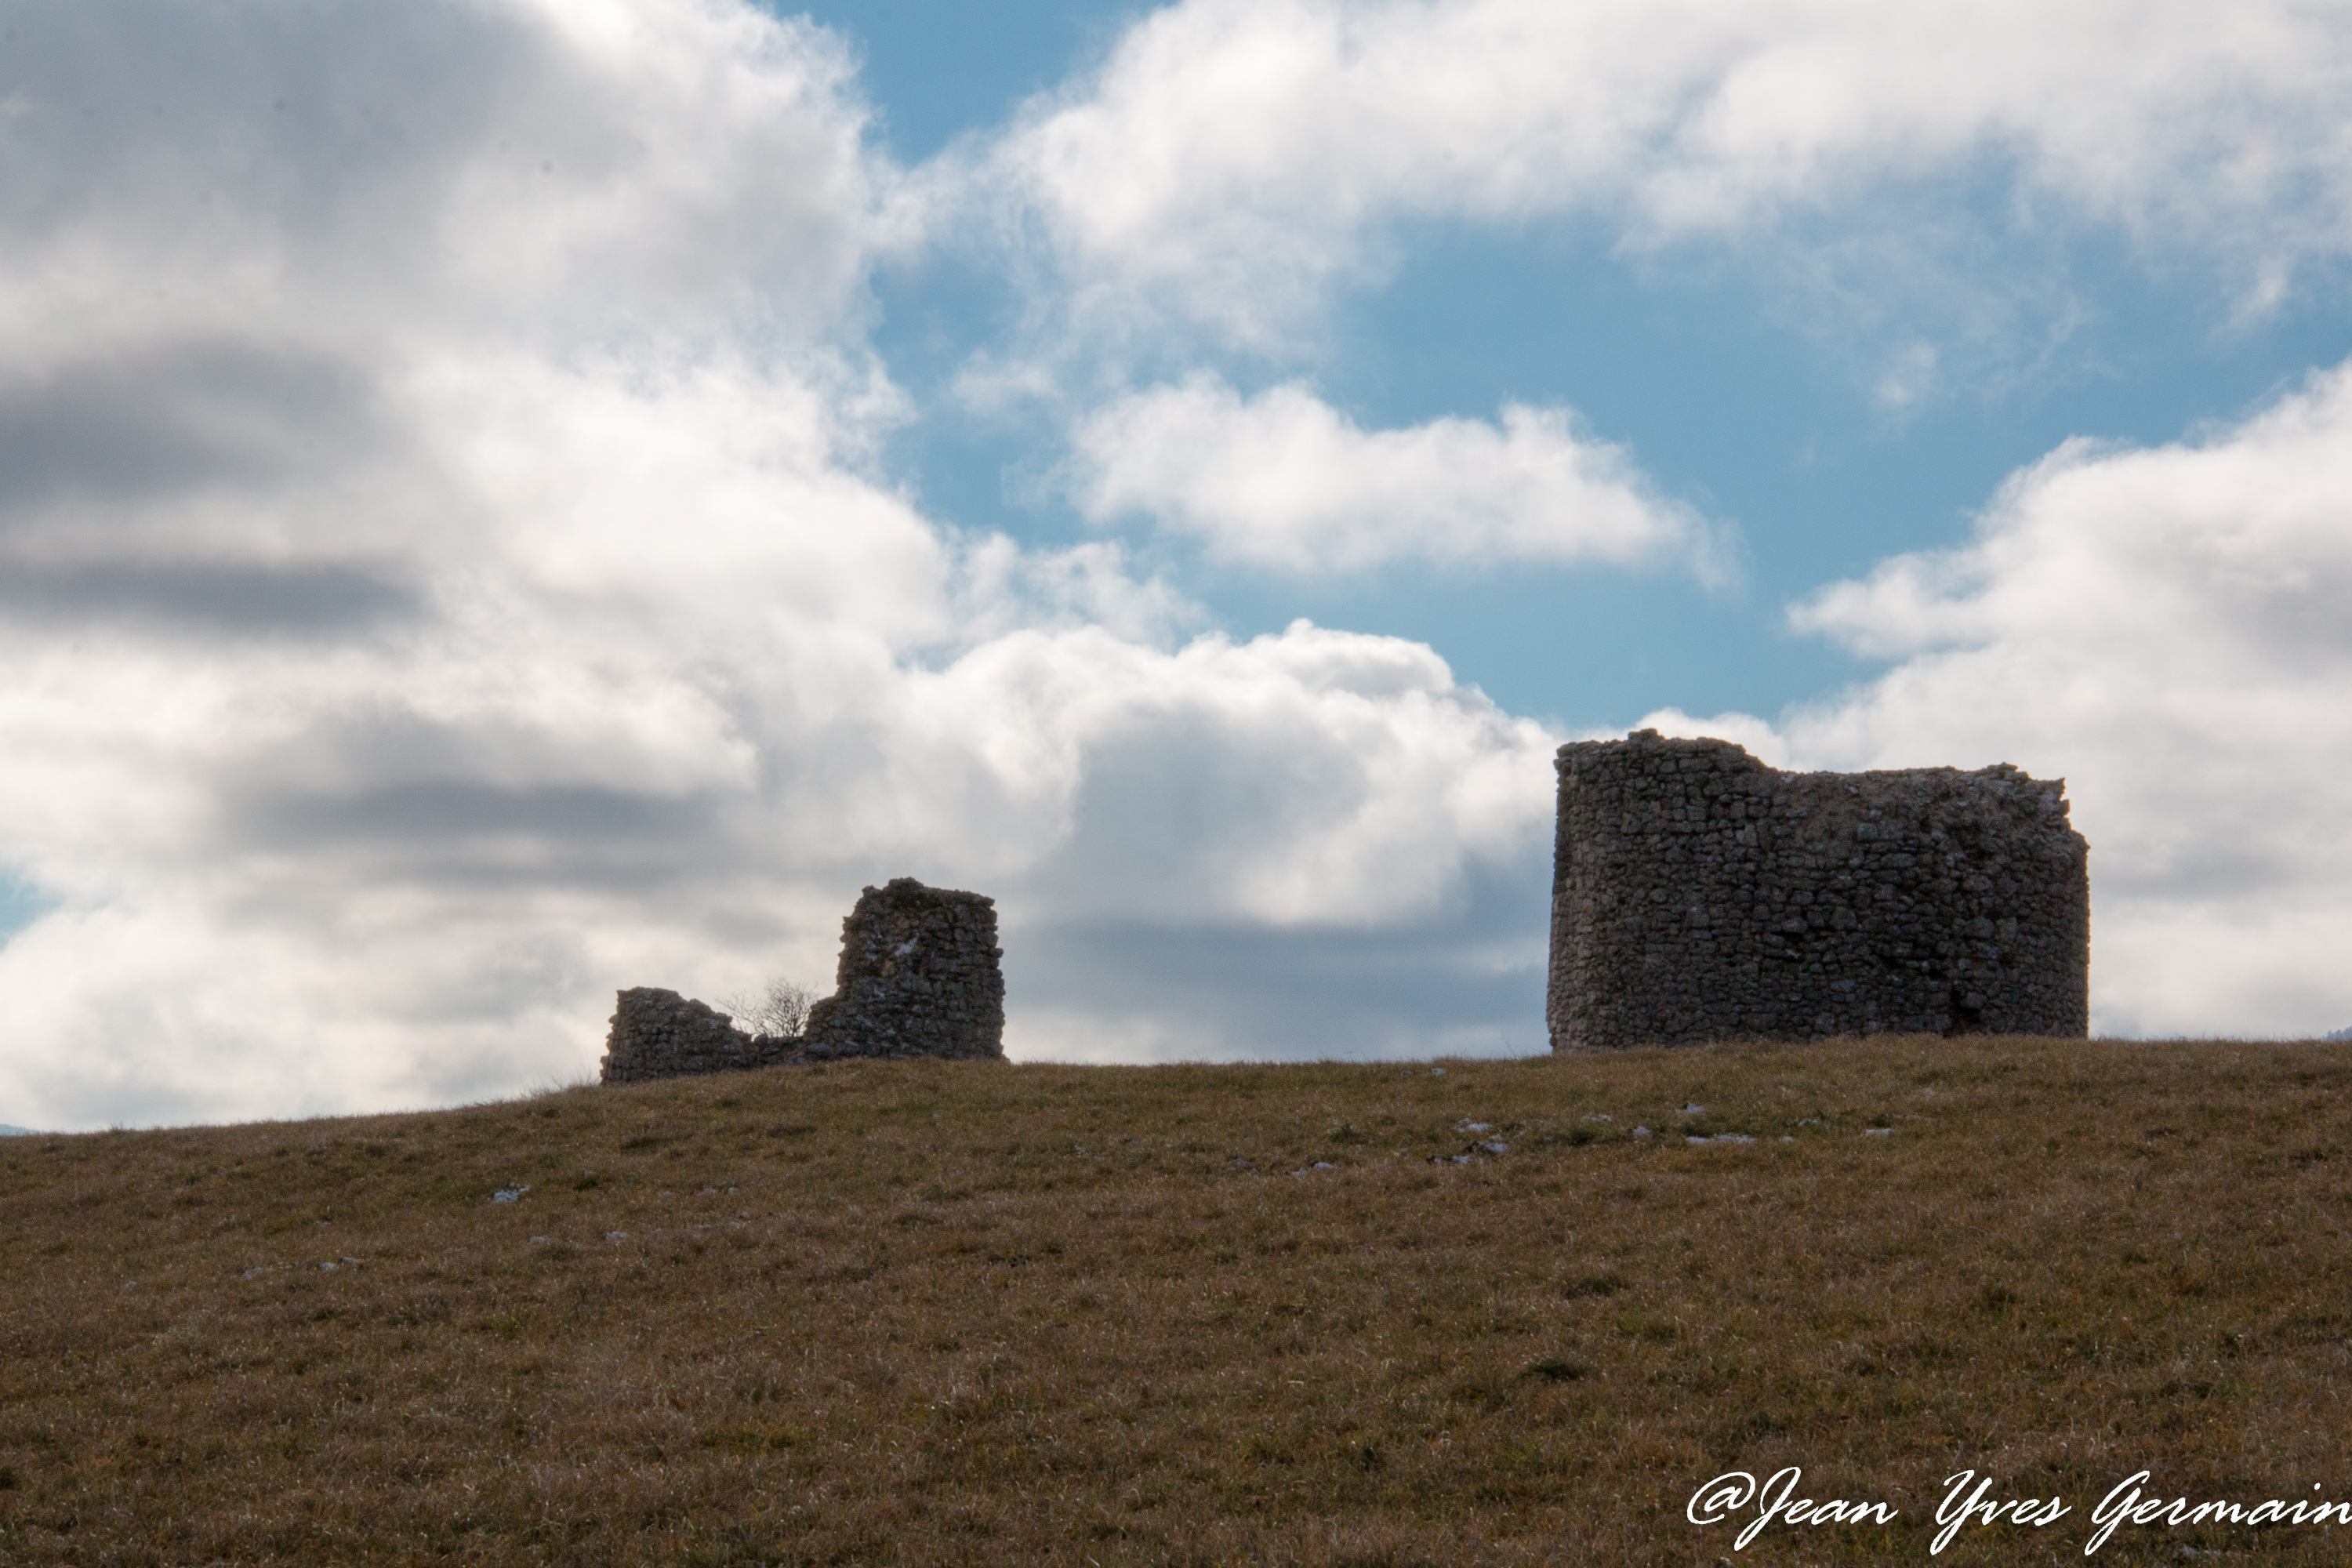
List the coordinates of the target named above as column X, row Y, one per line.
column 1699, row 894
column 660, row 1034
column 919, row 977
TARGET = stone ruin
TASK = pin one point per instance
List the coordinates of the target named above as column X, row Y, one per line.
column 919, row 977
column 1699, row 894
column 660, row 1034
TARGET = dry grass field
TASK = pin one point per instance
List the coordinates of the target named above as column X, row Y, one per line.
column 954, row 1313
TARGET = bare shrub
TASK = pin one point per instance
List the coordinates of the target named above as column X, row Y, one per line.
column 778, row 1009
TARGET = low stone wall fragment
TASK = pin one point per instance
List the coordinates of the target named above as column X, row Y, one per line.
column 660, row 1034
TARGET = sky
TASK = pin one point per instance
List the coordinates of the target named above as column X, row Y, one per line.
column 503, row 501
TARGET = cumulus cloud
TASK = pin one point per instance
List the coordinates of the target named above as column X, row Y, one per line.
column 1283, row 481
column 1231, row 159
column 444, row 578
column 2166, row 629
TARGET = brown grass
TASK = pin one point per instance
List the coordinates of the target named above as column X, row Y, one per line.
column 959, row 1312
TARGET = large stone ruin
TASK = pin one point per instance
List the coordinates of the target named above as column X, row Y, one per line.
column 919, row 976
column 1699, row 894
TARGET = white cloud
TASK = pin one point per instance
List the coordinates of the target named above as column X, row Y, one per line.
column 2166, row 629
column 1232, row 158
column 442, row 580
column 1316, row 778
column 529, row 169
column 1283, row 481
column 1005, row 588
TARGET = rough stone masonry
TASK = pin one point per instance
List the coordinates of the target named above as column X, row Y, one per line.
column 919, row 975
column 1699, row 894
column 660, row 1034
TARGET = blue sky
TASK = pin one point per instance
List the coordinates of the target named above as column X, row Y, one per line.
column 502, row 502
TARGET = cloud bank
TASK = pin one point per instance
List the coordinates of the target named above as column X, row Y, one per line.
column 1233, row 160
column 1282, row 480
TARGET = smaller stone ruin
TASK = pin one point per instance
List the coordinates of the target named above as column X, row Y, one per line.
column 660, row 1034
column 919, row 976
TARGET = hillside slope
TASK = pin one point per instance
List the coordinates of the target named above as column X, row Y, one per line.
column 968, row 1312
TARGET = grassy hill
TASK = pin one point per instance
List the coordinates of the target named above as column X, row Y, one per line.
column 962, row 1312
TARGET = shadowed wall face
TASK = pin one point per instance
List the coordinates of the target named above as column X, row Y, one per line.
column 660, row 1034
column 1699, row 894
column 919, row 976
